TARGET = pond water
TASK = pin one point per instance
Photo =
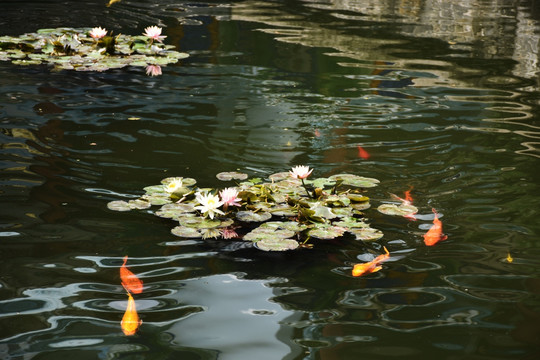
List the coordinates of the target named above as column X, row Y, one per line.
column 442, row 95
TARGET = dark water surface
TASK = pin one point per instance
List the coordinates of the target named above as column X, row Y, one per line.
column 444, row 95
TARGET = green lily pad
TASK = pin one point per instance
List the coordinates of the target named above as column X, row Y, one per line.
column 367, row 233
column 355, row 180
column 139, row 204
column 287, row 225
column 321, row 182
column 404, row 209
column 326, row 232
column 232, row 175
column 199, row 222
column 175, row 210
column 261, row 233
column 157, row 199
column 280, row 176
column 277, row 244
column 250, row 216
column 186, row 232
column 283, row 210
column 119, row 205
column 350, row 222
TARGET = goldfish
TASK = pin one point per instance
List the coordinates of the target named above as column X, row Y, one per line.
column 509, row 258
column 371, row 266
column 434, row 234
column 130, row 321
column 362, row 153
column 129, row 280
column 408, row 196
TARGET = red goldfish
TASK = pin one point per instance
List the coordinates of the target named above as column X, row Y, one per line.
column 130, row 321
column 362, row 153
column 371, row 266
column 130, row 281
column 434, row 234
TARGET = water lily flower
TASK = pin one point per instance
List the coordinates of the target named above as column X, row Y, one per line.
column 153, row 70
column 173, row 186
column 209, row 204
column 300, row 172
column 229, row 233
column 97, row 33
column 154, row 33
column 229, row 197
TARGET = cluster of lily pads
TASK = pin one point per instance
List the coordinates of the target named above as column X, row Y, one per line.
column 282, row 213
column 89, row 49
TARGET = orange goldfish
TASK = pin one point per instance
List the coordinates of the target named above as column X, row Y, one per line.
column 371, row 266
column 362, row 153
column 130, row 281
column 434, row 234
column 130, row 322
column 408, row 196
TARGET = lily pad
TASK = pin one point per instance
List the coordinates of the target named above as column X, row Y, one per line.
column 232, row 175
column 251, row 216
column 175, row 210
column 367, row 233
column 119, row 205
column 261, row 233
column 139, row 204
column 198, row 222
column 186, row 232
column 355, row 180
column 326, row 232
column 277, row 244
column 404, row 209
column 280, row 176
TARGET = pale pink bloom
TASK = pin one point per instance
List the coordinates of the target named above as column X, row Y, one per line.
column 228, row 233
column 300, row 172
column 153, row 70
column 229, row 197
column 97, row 33
column 154, row 33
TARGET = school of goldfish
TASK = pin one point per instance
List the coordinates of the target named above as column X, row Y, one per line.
column 431, row 237
column 133, row 285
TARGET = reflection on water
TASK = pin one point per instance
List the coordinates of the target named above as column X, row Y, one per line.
column 443, row 96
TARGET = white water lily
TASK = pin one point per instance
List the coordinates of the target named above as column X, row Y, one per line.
column 300, row 172
column 173, row 186
column 209, row 204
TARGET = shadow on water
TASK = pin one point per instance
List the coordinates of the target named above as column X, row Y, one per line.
column 443, row 96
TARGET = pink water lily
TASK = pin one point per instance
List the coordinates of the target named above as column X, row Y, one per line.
column 153, row 70
column 300, row 172
column 229, row 196
column 97, row 33
column 154, row 33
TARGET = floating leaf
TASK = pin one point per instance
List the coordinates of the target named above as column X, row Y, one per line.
column 175, row 210
column 280, row 176
column 404, row 209
column 199, row 222
column 261, row 233
column 276, row 244
column 232, row 175
column 250, row 216
column 186, row 232
column 326, row 232
column 119, row 205
column 355, row 180
column 139, row 204
column 366, row 234
column 351, row 222
column 283, row 210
